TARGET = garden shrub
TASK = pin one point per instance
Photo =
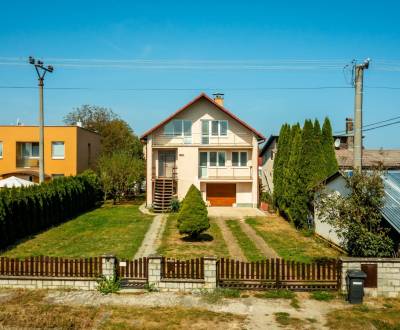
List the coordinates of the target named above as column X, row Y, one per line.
column 28, row 210
column 193, row 216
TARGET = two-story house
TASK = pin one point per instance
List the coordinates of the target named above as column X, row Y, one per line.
column 68, row 150
column 203, row 144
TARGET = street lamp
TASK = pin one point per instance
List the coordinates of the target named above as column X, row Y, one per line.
column 41, row 71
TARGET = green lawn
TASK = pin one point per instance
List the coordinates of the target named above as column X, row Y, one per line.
column 246, row 244
column 118, row 230
column 211, row 242
column 288, row 242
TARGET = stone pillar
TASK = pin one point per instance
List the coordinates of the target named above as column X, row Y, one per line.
column 108, row 264
column 210, row 273
column 154, row 270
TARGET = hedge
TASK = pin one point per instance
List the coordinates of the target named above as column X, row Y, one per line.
column 26, row 211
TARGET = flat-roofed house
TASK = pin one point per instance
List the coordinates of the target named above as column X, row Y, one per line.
column 68, row 150
column 203, row 144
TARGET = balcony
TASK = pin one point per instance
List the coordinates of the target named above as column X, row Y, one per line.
column 27, row 162
column 225, row 173
column 196, row 139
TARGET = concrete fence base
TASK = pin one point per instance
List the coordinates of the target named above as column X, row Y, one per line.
column 387, row 275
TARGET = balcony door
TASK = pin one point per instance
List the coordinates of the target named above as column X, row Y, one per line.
column 166, row 163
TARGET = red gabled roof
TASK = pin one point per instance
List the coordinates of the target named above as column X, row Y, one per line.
column 220, row 107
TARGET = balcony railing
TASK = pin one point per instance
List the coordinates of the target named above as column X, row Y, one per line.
column 227, row 173
column 27, row 162
column 237, row 139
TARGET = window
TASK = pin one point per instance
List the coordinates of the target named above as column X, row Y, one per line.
column 29, row 149
column 239, row 158
column 216, row 158
column 178, row 127
column 1, row 149
column 57, row 150
column 217, row 128
column 203, row 159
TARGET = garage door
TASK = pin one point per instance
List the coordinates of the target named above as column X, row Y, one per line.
column 221, row 194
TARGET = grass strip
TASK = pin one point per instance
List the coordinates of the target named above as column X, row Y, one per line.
column 246, row 244
column 289, row 243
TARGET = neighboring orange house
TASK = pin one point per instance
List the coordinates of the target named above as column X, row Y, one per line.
column 68, row 150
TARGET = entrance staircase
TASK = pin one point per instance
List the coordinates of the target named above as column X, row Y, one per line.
column 163, row 192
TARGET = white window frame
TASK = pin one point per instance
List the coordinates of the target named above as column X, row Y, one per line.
column 210, row 124
column 217, row 160
column 1, row 149
column 182, row 134
column 240, row 158
column 52, row 151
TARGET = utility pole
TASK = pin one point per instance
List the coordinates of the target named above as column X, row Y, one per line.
column 41, row 71
column 358, row 84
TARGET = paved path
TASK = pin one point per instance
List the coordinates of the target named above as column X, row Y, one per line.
column 152, row 239
column 234, row 212
column 233, row 247
column 257, row 240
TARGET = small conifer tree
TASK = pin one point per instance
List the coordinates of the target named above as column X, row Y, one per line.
column 330, row 161
column 193, row 216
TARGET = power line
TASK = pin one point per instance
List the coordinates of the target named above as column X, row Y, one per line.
column 370, row 129
column 373, row 124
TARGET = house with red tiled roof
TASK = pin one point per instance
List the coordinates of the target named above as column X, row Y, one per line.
column 204, row 144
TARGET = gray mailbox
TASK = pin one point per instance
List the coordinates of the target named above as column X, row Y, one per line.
column 355, row 286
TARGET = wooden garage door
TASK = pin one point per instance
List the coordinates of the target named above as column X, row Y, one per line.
column 221, row 194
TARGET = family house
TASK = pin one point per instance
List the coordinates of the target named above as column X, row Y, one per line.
column 344, row 151
column 68, row 150
column 203, row 144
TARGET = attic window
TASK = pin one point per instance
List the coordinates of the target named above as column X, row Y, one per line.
column 178, row 127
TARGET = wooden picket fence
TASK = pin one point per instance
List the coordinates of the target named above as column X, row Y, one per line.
column 279, row 273
column 133, row 273
column 182, row 269
column 51, row 267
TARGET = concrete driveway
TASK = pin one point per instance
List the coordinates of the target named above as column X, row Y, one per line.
column 234, row 212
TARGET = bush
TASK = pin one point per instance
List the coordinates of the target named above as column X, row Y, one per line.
column 28, row 210
column 175, row 205
column 215, row 296
column 193, row 217
column 108, row 285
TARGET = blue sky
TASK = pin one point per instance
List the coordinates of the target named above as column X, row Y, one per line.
column 222, row 31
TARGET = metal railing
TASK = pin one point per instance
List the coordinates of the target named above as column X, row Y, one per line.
column 237, row 139
column 232, row 173
column 27, row 162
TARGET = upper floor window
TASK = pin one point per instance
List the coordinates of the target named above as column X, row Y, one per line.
column 29, row 149
column 239, row 158
column 1, row 149
column 57, row 150
column 212, row 158
column 214, row 127
column 178, row 127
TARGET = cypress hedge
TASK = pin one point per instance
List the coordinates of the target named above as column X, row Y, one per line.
column 305, row 157
column 28, row 210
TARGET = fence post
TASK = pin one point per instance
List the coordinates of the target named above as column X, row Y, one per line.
column 108, row 269
column 210, row 272
column 154, row 270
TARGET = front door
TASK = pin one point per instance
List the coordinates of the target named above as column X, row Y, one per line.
column 166, row 163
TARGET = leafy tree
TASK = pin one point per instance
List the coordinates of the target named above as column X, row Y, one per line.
column 193, row 216
column 92, row 117
column 116, row 134
column 120, row 174
column 330, row 161
column 356, row 217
